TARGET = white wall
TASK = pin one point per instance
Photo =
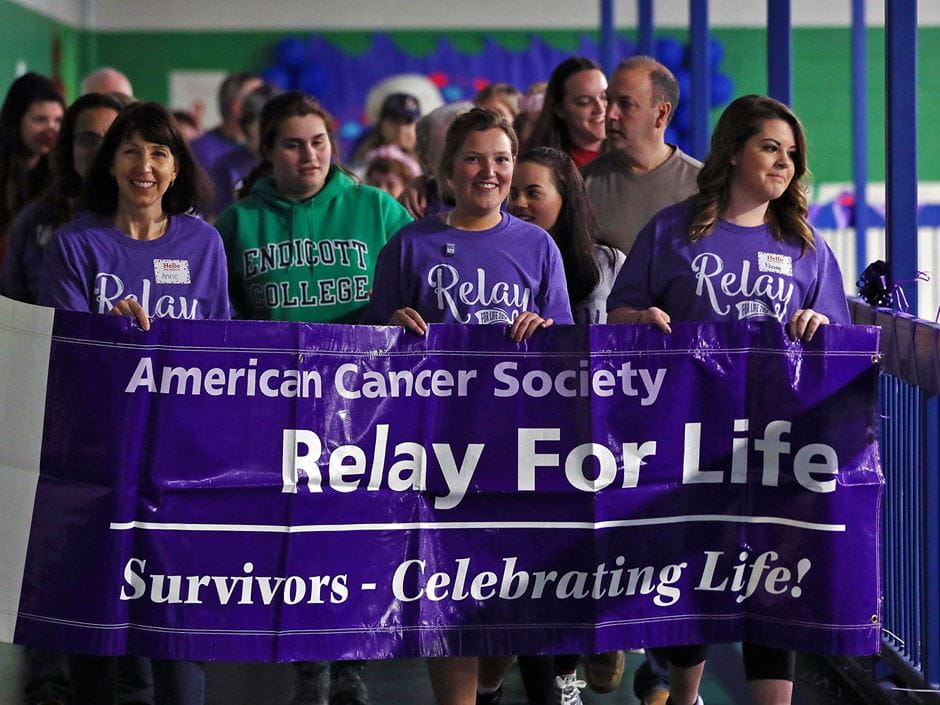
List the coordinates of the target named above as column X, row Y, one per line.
column 306, row 15
column 70, row 12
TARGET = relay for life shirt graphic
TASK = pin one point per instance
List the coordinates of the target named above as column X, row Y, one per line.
column 734, row 273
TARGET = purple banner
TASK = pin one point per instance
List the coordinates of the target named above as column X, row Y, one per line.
column 265, row 491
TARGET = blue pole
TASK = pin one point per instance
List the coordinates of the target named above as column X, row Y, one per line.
column 608, row 36
column 645, row 34
column 701, row 84
column 779, row 51
column 859, row 132
column 901, row 144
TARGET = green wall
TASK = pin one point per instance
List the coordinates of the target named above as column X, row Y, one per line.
column 821, row 57
column 29, row 37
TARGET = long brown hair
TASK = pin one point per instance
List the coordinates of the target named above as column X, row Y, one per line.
column 787, row 215
column 280, row 108
column 550, row 129
column 17, row 185
column 575, row 231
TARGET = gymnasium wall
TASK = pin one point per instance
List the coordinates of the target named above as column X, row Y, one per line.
column 821, row 57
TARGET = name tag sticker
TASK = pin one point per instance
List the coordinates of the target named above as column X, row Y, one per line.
column 171, row 271
column 775, row 263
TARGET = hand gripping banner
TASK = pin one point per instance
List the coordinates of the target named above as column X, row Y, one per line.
column 276, row 491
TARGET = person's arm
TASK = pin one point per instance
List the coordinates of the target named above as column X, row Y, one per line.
column 653, row 315
column 227, row 225
column 415, row 196
column 14, row 280
column 387, row 305
column 826, row 302
column 64, row 284
column 631, row 298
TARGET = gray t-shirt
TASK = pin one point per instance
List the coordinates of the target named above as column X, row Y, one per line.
column 625, row 202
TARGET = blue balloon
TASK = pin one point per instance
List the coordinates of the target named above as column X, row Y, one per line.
column 277, row 76
column 685, row 83
column 350, row 130
column 314, row 80
column 672, row 135
column 682, row 120
column 717, row 53
column 452, row 93
column 291, row 52
column 722, row 89
column 670, row 52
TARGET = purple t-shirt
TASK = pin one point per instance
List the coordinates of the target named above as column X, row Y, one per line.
column 91, row 265
column 227, row 174
column 460, row 276
column 208, row 147
column 735, row 273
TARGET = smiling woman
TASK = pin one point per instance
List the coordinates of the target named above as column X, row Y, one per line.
column 140, row 254
column 740, row 249
column 29, row 122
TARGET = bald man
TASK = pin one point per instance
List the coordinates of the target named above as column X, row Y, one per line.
column 107, row 80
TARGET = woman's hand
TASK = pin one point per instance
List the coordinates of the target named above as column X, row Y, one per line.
column 804, row 323
column 129, row 307
column 409, row 319
column 654, row 315
column 415, row 197
column 526, row 324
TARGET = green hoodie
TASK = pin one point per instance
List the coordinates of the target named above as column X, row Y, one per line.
column 307, row 260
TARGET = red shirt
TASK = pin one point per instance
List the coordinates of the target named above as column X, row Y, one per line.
column 583, row 157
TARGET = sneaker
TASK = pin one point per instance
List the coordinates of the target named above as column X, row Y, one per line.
column 566, row 690
column 659, row 696
column 490, row 698
column 346, row 684
column 604, row 671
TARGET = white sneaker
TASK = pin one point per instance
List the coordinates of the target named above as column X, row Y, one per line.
column 566, row 690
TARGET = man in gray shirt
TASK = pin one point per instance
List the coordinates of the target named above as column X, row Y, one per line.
column 641, row 174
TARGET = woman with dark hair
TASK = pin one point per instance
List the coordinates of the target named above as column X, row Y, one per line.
column 458, row 248
column 547, row 190
column 138, row 253
column 29, row 122
column 573, row 111
column 85, row 123
column 692, row 262
column 298, row 194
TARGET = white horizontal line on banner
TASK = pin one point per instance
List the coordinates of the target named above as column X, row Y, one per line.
column 442, row 525
column 423, row 352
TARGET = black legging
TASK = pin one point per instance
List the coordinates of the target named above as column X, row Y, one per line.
column 760, row 662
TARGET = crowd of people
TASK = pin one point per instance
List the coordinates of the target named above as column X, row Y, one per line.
column 568, row 192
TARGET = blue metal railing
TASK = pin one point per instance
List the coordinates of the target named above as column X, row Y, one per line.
column 910, row 456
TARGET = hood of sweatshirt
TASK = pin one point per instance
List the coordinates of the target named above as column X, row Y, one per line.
column 300, row 216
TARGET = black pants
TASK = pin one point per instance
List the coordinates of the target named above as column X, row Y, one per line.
column 760, row 662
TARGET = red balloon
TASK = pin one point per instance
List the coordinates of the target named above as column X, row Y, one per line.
column 480, row 83
column 439, row 79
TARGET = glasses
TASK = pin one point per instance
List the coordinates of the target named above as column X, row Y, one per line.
column 87, row 140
